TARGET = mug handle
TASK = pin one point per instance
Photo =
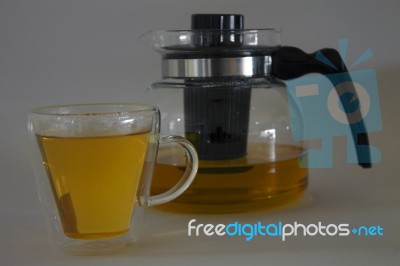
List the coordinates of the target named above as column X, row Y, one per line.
column 188, row 176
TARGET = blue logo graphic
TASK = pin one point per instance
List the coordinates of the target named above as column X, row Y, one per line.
column 324, row 114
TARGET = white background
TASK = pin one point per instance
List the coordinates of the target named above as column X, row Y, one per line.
column 54, row 52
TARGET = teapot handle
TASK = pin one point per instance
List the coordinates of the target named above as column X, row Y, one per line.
column 291, row 62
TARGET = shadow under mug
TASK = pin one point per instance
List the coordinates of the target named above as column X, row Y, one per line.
column 93, row 165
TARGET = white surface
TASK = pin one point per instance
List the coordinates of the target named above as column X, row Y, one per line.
column 72, row 51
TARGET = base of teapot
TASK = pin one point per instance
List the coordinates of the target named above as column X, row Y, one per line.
column 289, row 200
column 268, row 177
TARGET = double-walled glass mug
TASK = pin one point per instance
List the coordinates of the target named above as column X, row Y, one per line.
column 93, row 165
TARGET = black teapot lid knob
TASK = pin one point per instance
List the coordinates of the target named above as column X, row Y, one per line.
column 217, row 22
column 217, row 30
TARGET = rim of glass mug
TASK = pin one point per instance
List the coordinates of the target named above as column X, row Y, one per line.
column 64, row 108
column 101, row 119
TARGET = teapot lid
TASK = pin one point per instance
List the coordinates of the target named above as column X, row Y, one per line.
column 214, row 35
column 214, row 42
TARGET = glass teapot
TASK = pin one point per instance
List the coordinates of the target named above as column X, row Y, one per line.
column 222, row 88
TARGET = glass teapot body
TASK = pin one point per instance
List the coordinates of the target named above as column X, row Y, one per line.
column 241, row 129
column 222, row 89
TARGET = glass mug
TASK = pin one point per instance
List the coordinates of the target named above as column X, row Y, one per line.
column 93, row 165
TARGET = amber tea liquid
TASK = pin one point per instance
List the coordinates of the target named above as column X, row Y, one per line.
column 94, row 181
column 268, row 176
